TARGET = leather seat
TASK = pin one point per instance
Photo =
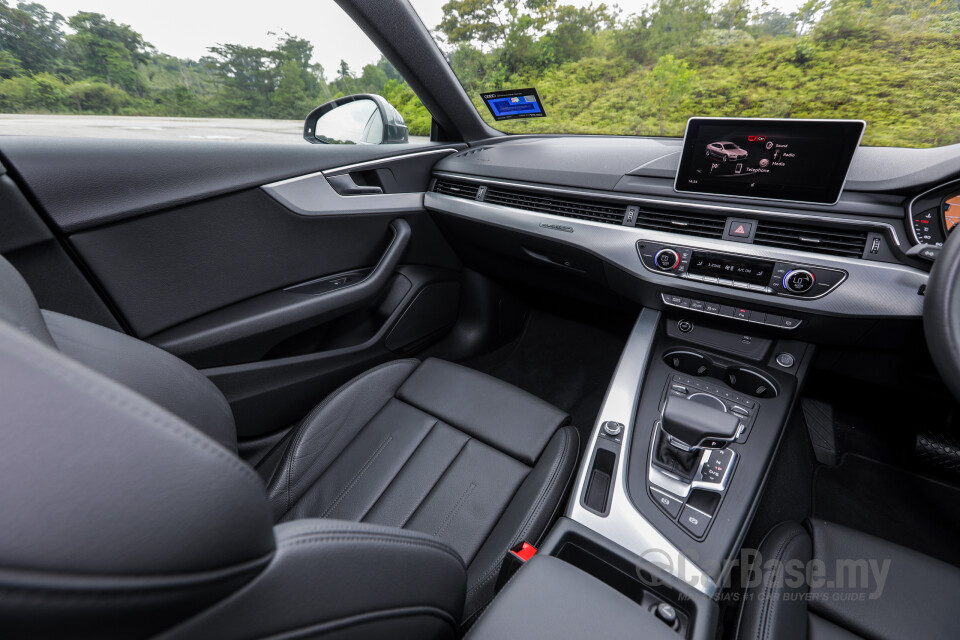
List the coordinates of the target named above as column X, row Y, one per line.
column 823, row 581
column 385, row 513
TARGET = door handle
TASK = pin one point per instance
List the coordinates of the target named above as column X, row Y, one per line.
column 345, row 185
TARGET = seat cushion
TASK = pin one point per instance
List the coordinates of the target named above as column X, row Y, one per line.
column 437, row 448
column 857, row 586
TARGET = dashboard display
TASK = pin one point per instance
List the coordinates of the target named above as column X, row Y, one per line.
column 792, row 160
column 711, row 264
column 951, row 212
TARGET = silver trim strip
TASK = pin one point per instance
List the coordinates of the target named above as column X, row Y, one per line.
column 627, row 198
column 843, row 184
column 913, row 232
column 368, row 163
column 625, row 525
column 872, row 289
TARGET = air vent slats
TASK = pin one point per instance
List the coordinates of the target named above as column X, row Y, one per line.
column 684, row 223
column 458, row 189
column 830, row 241
column 814, row 238
column 560, row 206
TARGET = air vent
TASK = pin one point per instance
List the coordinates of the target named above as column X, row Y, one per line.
column 832, row 241
column 682, row 222
column 458, row 189
column 557, row 205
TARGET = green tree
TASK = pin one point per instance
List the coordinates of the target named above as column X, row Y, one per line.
column 733, row 15
column 668, row 85
column 32, row 35
column 108, row 51
column 290, row 100
column 246, row 78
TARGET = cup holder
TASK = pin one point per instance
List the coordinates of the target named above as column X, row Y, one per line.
column 688, row 362
column 748, row 381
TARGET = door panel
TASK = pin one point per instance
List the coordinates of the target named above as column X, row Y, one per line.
column 167, row 268
column 195, row 255
column 81, row 183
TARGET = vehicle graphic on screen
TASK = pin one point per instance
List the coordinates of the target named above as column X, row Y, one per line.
column 725, row 151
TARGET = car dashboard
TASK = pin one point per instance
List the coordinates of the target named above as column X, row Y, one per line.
column 595, row 211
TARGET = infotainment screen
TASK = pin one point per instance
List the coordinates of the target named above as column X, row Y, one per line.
column 795, row 160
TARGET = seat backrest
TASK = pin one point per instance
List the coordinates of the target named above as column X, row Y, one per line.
column 118, row 518
column 160, row 376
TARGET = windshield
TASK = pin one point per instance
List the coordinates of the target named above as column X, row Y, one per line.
column 645, row 68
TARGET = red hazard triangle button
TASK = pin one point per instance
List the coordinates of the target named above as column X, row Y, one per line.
column 740, row 229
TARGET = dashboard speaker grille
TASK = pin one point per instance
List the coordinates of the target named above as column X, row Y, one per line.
column 458, row 189
column 832, row 241
column 681, row 222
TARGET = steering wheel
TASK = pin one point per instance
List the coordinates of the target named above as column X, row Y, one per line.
column 941, row 314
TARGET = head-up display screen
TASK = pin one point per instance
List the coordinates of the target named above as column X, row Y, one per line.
column 795, row 160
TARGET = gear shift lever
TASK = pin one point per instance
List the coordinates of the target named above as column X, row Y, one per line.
column 688, row 426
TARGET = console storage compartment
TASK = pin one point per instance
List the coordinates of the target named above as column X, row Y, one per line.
column 580, row 585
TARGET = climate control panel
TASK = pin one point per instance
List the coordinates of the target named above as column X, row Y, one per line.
column 740, row 272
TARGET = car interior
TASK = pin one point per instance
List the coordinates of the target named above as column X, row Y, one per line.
column 495, row 386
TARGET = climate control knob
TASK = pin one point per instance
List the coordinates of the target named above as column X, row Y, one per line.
column 798, row 281
column 667, row 259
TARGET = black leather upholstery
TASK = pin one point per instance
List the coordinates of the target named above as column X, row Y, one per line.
column 549, row 599
column 119, row 519
column 331, row 577
column 397, row 497
column 414, row 445
column 151, row 372
column 857, row 586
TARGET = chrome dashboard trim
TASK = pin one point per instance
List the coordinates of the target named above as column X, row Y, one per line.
column 623, row 524
column 872, row 289
column 913, row 232
column 627, row 198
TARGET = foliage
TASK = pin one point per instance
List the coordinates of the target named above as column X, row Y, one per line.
column 894, row 63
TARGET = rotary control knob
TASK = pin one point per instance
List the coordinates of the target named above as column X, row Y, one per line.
column 612, row 429
column 798, row 281
column 667, row 259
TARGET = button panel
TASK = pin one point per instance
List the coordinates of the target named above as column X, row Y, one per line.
column 786, row 279
column 738, row 313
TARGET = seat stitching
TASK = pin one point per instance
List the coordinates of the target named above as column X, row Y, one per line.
column 763, row 627
column 456, row 508
column 540, row 500
column 542, row 497
column 305, row 423
column 116, row 399
column 316, row 538
column 356, row 477
column 416, row 508
column 400, row 470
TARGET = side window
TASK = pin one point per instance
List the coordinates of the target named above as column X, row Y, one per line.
column 244, row 76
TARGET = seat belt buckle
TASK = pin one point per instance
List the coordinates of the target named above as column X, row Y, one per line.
column 514, row 559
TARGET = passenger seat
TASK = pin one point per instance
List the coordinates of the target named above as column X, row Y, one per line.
column 128, row 513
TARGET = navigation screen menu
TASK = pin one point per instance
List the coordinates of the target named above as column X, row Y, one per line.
column 795, row 160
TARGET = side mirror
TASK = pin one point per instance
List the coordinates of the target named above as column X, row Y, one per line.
column 363, row 118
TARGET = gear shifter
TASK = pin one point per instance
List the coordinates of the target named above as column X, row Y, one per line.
column 688, row 426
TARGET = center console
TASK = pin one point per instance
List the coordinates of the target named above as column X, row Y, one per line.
column 670, row 481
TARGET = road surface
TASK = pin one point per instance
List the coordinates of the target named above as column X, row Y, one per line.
column 150, row 128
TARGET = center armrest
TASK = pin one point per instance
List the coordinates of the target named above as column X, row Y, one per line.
column 549, row 599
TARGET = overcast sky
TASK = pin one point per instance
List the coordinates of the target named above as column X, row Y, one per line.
column 185, row 28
